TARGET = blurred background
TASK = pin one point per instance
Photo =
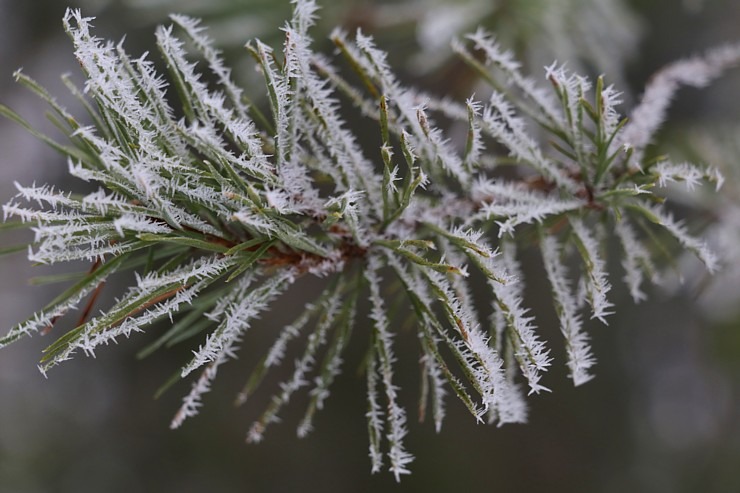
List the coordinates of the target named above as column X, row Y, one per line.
column 663, row 414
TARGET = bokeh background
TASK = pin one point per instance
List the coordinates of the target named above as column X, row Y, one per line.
column 663, row 414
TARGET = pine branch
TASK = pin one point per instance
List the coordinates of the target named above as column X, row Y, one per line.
column 220, row 212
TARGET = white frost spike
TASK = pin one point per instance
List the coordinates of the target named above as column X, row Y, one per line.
column 397, row 455
column 497, row 392
column 139, row 224
column 45, row 318
column 330, row 367
column 471, row 241
column 423, row 136
column 532, row 354
column 30, row 215
column 442, row 148
column 104, row 203
column 252, row 220
column 515, row 214
column 342, row 145
column 202, row 268
column 475, row 137
column 173, row 51
column 500, row 121
column 434, row 372
column 303, row 366
column 504, row 59
column 678, row 230
column 636, row 259
column 514, row 204
column 580, row 359
column 91, row 248
column 237, row 318
column 414, row 284
column 281, row 103
column 691, row 174
column 276, row 353
column 572, row 88
column 123, row 319
column 196, row 32
column 304, row 15
column 107, row 76
column 598, row 284
column 374, row 416
column 346, row 206
column 697, row 71
column 43, row 194
column 97, row 335
column 193, row 401
column 611, row 98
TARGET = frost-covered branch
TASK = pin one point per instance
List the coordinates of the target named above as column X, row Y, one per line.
column 221, row 210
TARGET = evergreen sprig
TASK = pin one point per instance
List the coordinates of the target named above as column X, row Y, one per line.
column 220, row 209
